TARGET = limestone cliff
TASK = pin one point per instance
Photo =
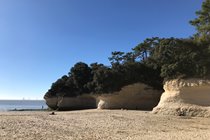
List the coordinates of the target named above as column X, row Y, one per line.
column 189, row 97
column 136, row 96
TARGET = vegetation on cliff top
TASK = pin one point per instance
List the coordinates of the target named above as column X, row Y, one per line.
column 151, row 62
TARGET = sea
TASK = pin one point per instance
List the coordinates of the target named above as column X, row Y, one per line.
column 8, row 105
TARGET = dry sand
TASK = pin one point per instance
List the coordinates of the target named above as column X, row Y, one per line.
column 100, row 125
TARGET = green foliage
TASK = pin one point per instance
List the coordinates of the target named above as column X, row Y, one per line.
column 61, row 88
column 143, row 50
column 180, row 58
column 101, row 78
column 81, row 75
column 202, row 23
column 167, row 58
column 140, row 72
column 116, row 58
column 73, row 85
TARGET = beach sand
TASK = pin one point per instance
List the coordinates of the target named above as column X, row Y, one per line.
column 100, row 125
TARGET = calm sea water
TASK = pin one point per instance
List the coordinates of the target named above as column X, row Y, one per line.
column 6, row 105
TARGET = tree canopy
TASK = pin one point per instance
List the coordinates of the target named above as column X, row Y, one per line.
column 202, row 23
column 150, row 62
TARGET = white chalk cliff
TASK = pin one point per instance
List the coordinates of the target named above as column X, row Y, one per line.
column 136, row 96
column 189, row 97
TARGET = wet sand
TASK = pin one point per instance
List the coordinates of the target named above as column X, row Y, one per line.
column 100, row 125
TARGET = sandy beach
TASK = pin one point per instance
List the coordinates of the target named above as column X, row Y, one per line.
column 100, row 124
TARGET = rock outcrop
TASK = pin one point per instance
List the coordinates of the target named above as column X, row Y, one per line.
column 51, row 102
column 136, row 96
column 190, row 97
column 71, row 103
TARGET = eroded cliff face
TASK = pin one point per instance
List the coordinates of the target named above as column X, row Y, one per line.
column 71, row 103
column 189, row 97
column 51, row 102
column 80, row 102
column 136, row 96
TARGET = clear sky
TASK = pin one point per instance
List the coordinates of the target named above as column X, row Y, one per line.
column 40, row 40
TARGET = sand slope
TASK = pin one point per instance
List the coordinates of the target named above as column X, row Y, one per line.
column 100, row 125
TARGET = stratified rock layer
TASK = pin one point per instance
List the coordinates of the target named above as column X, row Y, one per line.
column 189, row 97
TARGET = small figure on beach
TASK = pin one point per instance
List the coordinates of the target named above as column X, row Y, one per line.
column 53, row 113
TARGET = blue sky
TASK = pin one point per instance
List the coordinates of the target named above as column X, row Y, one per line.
column 40, row 40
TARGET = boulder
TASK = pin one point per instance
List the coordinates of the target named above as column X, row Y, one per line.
column 185, row 97
column 136, row 96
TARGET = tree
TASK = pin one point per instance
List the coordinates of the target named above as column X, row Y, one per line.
column 180, row 58
column 143, row 49
column 101, row 79
column 129, row 57
column 58, row 88
column 81, row 75
column 116, row 58
column 202, row 23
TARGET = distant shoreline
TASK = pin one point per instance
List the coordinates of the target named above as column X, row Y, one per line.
column 12, row 110
column 22, row 105
column 20, row 100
